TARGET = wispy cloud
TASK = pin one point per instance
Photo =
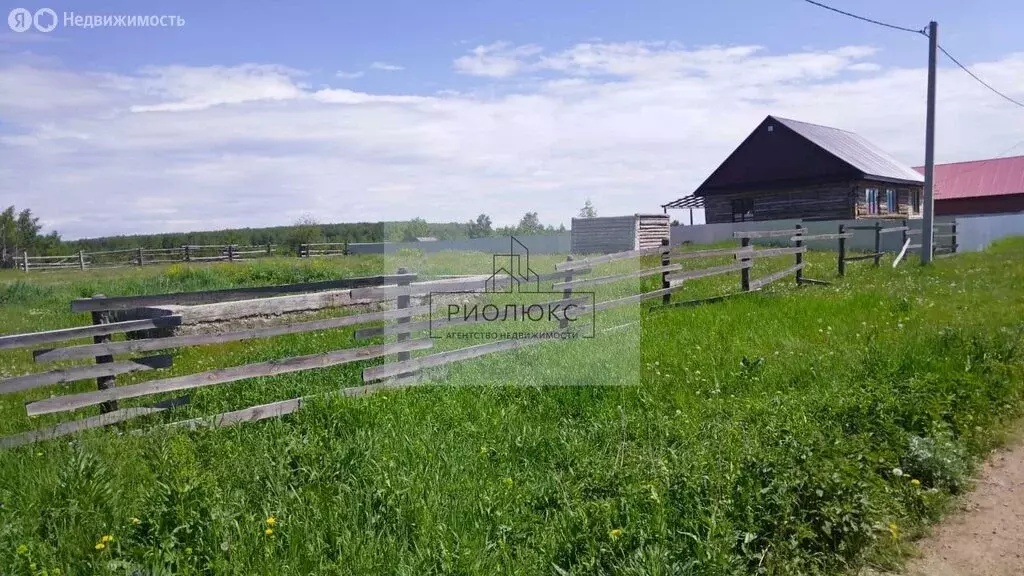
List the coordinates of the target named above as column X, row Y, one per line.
column 349, row 75
column 386, row 67
column 630, row 125
column 497, row 60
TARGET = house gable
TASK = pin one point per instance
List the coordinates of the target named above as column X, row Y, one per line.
column 774, row 155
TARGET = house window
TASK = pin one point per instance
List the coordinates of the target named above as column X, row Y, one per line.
column 742, row 209
column 915, row 201
column 892, row 204
column 871, row 200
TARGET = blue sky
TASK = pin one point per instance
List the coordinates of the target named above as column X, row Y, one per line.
column 389, row 110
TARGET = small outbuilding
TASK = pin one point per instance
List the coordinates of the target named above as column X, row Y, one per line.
column 609, row 234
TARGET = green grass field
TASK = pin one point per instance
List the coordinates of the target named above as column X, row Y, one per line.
column 791, row 431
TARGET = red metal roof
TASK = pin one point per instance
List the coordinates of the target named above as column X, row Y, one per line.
column 994, row 177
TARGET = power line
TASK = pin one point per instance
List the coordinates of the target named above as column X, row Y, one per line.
column 925, row 33
column 862, row 18
column 1010, row 149
column 982, row 82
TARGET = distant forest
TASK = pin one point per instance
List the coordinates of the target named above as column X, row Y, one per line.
column 20, row 231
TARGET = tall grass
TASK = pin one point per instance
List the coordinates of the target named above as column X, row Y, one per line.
column 776, row 433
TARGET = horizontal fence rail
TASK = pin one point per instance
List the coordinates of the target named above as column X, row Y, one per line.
column 67, row 428
column 146, row 256
column 402, row 319
column 694, row 274
column 228, row 295
column 73, row 374
column 132, row 346
column 222, row 375
column 35, row 338
column 763, row 234
column 760, row 282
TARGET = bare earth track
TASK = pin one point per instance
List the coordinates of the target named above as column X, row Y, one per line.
column 986, row 536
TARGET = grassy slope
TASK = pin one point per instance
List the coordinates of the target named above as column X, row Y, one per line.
column 763, row 434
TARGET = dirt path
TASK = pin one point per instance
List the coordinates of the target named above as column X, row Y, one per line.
column 986, row 536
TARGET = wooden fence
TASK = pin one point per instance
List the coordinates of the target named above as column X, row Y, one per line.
column 146, row 256
column 405, row 322
column 940, row 231
column 323, row 249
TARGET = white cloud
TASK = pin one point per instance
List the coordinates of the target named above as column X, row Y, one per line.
column 349, row 75
column 629, row 125
column 865, row 67
column 498, row 60
column 386, row 67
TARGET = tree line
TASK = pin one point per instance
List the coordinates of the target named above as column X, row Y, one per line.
column 21, row 232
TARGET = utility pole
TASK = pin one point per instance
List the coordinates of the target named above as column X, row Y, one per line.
column 928, row 222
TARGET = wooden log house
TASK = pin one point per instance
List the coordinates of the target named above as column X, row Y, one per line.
column 789, row 169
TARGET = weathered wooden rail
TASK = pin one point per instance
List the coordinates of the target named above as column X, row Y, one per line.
column 876, row 255
column 404, row 323
column 323, row 249
column 146, row 256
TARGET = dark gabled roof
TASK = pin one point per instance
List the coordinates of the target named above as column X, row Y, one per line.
column 783, row 152
column 977, row 178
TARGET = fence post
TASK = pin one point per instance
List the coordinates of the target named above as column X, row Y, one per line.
column 745, row 272
column 302, row 250
column 563, row 324
column 231, row 252
column 903, row 234
column 799, row 256
column 665, row 261
column 268, row 249
column 139, row 256
column 24, row 255
column 188, row 253
column 81, row 260
column 403, row 302
column 344, row 251
column 104, row 382
column 952, row 249
column 878, row 242
column 842, row 251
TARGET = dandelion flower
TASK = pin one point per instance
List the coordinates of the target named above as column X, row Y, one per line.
column 271, row 520
column 100, row 545
column 135, row 521
column 107, row 538
column 614, row 533
column 23, row 549
column 269, row 532
column 915, row 482
column 897, row 472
